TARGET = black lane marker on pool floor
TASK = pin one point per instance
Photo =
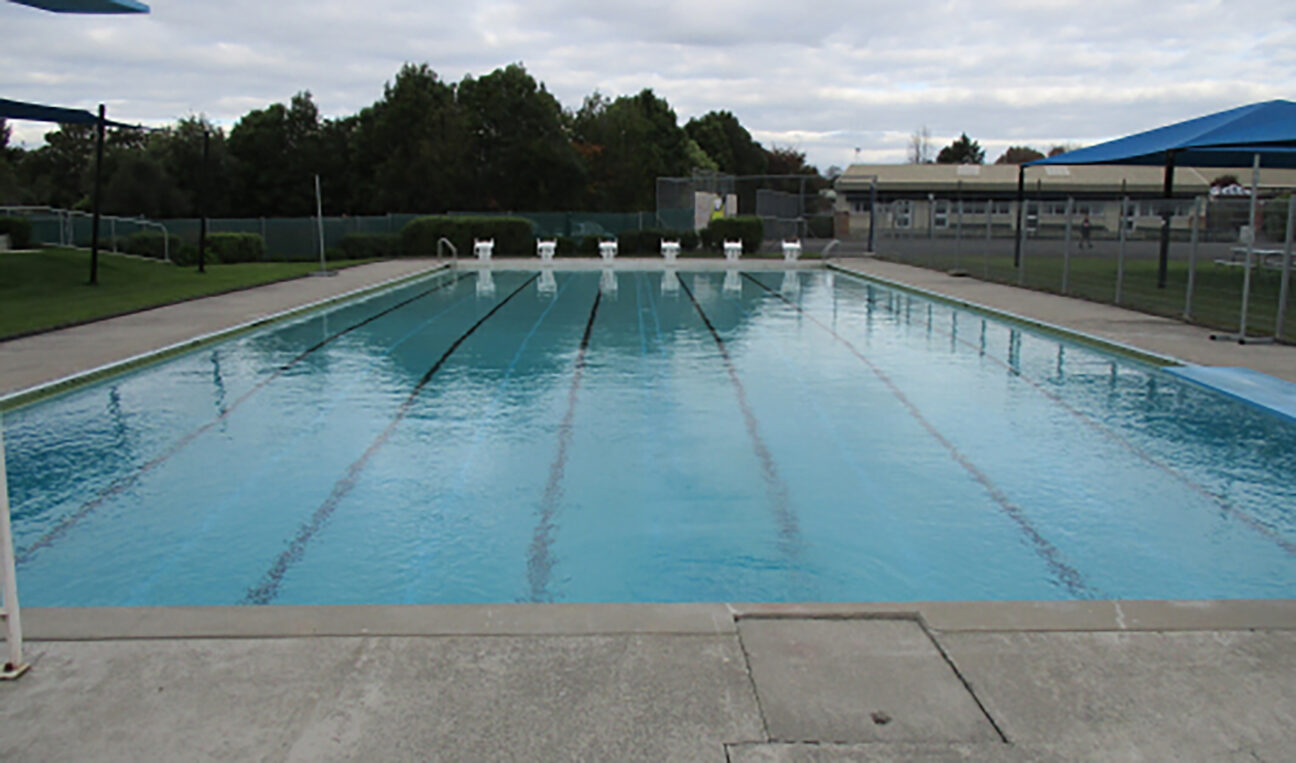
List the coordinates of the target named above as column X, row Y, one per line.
column 125, row 482
column 265, row 591
column 1065, row 573
column 539, row 561
column 788, row 526
column 1223, row 503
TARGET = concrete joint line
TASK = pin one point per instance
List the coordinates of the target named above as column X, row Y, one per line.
column 963, row 680
column 751, row 680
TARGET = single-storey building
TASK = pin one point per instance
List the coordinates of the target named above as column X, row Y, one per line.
column 926, row 197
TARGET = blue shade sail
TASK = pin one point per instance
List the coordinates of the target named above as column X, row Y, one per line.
column 87, row 6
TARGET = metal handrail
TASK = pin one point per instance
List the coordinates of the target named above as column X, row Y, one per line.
column 453, row 250
column 67, row 241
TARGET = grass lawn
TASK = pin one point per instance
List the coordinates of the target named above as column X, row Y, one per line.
column 1217, row 289
column 48, row 289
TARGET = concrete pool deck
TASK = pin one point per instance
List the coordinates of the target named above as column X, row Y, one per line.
column 802, row 682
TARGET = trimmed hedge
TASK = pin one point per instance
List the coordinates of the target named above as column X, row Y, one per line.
column 748, row 228
column 364, row 246
column 236, row 247
column 152, row 244
column 512, row 235
column 187, row 255
column 18, row 229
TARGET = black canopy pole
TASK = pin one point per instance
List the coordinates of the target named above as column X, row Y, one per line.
column 1021, row 204
column 1168, row 193
column 98, row 185
column 202, row 206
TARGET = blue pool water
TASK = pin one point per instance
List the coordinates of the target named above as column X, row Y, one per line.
column 633, row 436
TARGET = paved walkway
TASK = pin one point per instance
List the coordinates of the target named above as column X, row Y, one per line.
column 38, row 359
column 1162, row 336
column 655, row 682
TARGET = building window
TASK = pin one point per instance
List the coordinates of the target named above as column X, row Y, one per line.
column 902, row 214
column 859, row 206
column 940, row 213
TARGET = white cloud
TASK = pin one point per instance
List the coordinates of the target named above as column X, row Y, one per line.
column 825, row 76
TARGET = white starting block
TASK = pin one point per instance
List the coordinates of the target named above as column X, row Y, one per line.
column 792, row 250
column 483, row 249
column 546, row 249
column 670, row 250
column 732, row 250
column 608, row 250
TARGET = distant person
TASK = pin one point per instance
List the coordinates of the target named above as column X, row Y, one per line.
column 1086, row 228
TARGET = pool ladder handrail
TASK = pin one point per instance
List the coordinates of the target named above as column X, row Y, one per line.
column 453, row 250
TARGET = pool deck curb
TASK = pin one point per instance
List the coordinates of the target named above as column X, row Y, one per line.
column 1079, row 337
column 287, row 621
column 80, row 379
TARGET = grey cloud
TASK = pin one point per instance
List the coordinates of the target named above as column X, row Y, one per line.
column 823, row 76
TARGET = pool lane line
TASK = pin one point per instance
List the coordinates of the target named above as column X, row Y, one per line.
column 265, row 591
column 788, row 526
column 271, row 461
column 461, row 477
column 126, row 481
column 539, row 560
column 1225, row 505
column 1052, row 556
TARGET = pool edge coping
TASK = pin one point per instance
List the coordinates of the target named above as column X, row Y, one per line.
column 698, row 619
column 1149, row 357
column 54, row 387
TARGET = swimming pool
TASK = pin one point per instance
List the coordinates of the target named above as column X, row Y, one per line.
column 641, row 436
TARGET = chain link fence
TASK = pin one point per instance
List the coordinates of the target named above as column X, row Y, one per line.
column 1109, row 250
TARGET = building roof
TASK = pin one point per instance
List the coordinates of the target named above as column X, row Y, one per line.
column 1002, row 178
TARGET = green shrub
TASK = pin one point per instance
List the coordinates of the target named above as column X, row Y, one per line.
column 18, row 229
column 187, row 255
column 640, row 242
column 748, row 228
column 149, row 243
column 567, row 246
column 589, row 246
column 364, row 246
column 819, row 226
column 512, row 235
column 688, row 240
column 236, row 247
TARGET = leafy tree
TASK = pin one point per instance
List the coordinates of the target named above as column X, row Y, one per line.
column 59, row 171
column 1062, row 149
column 628, row 143
column 179, row 150
column 411, row 149
column 727, row 143
column 1224, row 181
column 278, row 151
column 522, row 156
column 964, row 150
column 1018, row 155
column 140, row 186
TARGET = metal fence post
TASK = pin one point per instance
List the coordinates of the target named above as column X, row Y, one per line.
column 958, row 228
column 1120, row 250
column 1286, row 267
column 989, row 241
column 1066, row 246
column 1021, row 243
column 1193, row 227
column 14, row 666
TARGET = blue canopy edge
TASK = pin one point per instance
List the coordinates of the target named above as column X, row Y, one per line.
column 87, row 6
column 36, row 112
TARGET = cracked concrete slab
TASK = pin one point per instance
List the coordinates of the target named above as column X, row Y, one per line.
column 1147, row 695
column 857, row 681
column 657, row 697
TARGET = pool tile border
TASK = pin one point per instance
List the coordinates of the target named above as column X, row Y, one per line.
column 286, row 621
column 80, row 379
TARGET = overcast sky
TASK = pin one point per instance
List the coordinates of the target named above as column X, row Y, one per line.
column 822, row 76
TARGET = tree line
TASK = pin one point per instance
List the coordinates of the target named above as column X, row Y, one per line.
column 964, row 150
column 498, row 142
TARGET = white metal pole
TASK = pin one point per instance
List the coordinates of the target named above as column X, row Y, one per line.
column 1120, row 249
column 319, row 216
column 1250, row 248
column 14, row 666
column 1286, row 267
column 1199, row 209
column 1066, row 246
